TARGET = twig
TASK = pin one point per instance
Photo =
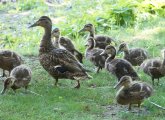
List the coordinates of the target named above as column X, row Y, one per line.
column 34, row 93
column 163, row 108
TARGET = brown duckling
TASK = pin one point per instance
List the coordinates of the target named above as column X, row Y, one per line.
column 101, row 40
column 59, row 63
column 132, row 92
column 20, row 77
column 56, row 37
column 9, row 60
column 65, row 43
column 93, row 54
column 118, row 67
column 135, row 56
column 154, row 68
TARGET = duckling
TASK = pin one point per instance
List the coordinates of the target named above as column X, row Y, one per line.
column 93, row 54
column 65, row 43
column 154, row 68
column 59, row 63
column 9, row 60
column 20, row 77
column 101, row 40
column 135, row 56
column 118, row 67
column 132, row 92
column 56, row 37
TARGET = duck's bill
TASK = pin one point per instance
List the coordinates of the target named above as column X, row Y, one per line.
column 3, row 91
column 117, row 85
column 102, row 53
column 81, row 30
column 33, row 25
column 118, row 52
column 86, row 44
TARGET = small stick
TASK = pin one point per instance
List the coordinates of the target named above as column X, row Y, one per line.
column 34, row 93
column 163, row 108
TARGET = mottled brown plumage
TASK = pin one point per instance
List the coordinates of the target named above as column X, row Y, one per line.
column 9, row 60
column 93, row 54
column 65, row 43
column 59, row 63
column 154, row 68
column 135, row 56
column 132, row 92
column 118, row 67
column 101, row 40
column 20, row 77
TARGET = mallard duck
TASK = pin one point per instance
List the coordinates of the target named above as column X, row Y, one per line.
column 132, row 92
column 118, row 67
column 9, row 60
column 135, row 56
column 59, row 63
column 101, row 40
column 65, row 43
column 93, row 54
column 20, row 77
column 154, row 68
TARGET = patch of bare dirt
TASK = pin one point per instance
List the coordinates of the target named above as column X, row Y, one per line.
column 115, row 111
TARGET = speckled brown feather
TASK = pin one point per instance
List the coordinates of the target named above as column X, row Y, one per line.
column 9, row 60
column 135, row 56
column 66, row 43
column 101, row 40
column 119, row 67
column 134, row 94
column 52, row 58
column 154, row 68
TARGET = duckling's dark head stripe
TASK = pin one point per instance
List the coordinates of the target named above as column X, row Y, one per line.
column 89, row 25
column 45, row 18
column 56, row 30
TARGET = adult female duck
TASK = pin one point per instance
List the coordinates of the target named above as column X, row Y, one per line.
column 59, row 63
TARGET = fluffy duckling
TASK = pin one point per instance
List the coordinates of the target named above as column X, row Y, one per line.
column 118, row 67
column 132, row 92
column 59, row 63
column 65, row 43
column 154, row 68
column 20, row 77
column 56, row 37
column 93, row 54
column 101, row 40
column 9, row 60
column 135, row 56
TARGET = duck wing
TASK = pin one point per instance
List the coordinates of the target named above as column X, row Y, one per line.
column 139, row 91
column 66, row 60
column 121, row 67
column 135, row 92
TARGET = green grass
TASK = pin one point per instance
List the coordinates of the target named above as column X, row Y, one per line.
column 64, row 102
